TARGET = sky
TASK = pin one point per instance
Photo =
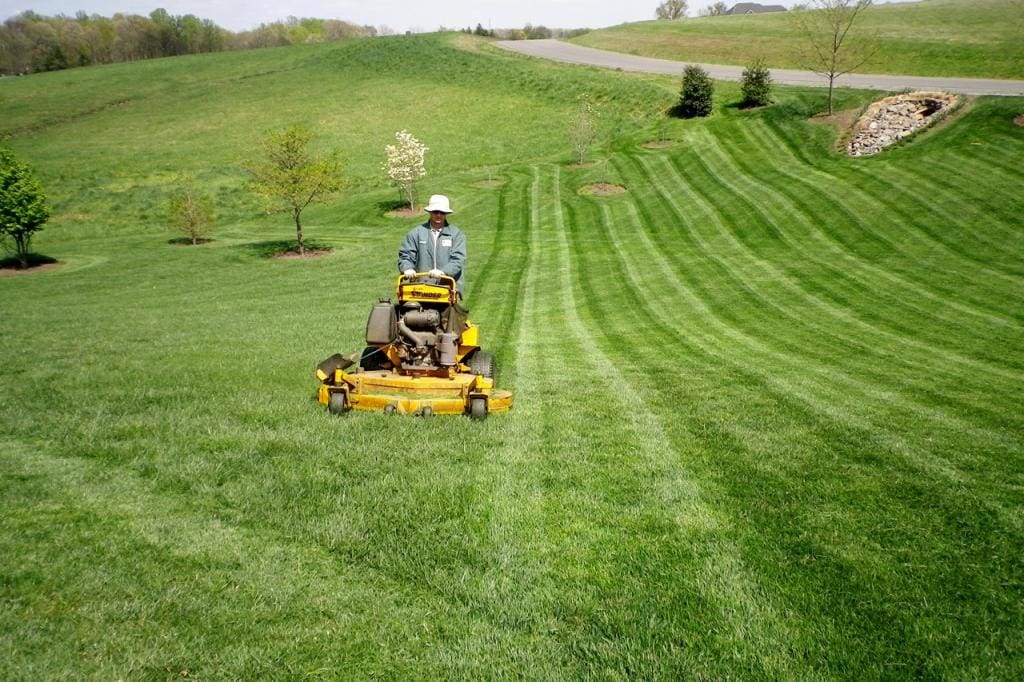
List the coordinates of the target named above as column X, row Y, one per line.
column 399, row 15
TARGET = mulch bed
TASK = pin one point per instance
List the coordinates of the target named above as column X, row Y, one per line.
column 602, row 189
column 404, row 213
column 12, row 270
column 310, row 253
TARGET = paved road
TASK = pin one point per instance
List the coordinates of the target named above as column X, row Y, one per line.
column 575, row 54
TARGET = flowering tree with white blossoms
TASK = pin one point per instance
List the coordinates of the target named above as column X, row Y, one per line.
column 404, row 164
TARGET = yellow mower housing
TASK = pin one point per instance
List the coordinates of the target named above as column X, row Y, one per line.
column 422, row 357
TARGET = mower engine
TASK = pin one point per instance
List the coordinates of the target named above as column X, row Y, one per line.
column 422, row 342
column 419, row 334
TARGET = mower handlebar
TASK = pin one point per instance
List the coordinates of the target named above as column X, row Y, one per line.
column 449, row 281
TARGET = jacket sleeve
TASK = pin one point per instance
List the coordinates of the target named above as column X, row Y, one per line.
column 456, row 256
column 408, row 251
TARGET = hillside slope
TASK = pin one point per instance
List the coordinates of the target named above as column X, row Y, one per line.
column 768, row 418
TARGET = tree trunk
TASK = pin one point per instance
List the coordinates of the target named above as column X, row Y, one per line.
column 298, row 233
column 831, row 82
column 21, row 247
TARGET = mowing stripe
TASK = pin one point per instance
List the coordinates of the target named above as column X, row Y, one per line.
column 852, row 193
column 753, row 620
column 300, row 590
column 923, row 379
column 836, row 396
column 829, row 376
column 887, row 191
column 670, row 173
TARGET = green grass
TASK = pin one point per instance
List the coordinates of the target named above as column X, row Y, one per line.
column 966, row 38
column 767, row 418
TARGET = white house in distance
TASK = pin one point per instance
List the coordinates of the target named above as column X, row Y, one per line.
column 753, row 8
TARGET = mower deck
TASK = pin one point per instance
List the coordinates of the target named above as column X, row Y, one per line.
column 421, row 395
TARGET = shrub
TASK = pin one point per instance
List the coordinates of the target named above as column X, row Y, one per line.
column 697, row 90
column 756, row 85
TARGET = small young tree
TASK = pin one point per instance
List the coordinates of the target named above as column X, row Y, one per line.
column 189, row 211
column 696, row 93
column 671, row 10
column 291, row 177
column 831, row 50
column 583, row 128
column 756, row 84
column 404, row 164
column 23, row 209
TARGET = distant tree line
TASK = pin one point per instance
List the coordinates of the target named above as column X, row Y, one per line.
column 30, row 42
column 527, row 32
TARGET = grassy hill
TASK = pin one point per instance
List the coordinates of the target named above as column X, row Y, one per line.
column 966, row 38
column 768, row 400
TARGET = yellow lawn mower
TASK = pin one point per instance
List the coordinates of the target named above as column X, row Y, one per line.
column 422, row 357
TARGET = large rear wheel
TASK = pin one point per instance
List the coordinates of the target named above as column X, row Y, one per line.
column 482, row 364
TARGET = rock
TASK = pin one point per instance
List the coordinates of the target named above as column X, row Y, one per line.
column 889, row 120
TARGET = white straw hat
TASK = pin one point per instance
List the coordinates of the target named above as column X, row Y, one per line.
column 438, row 202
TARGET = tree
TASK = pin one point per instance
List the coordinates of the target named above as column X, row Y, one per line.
column 695, row 96
column 671, row 10
column 716, row 10
column 23, row 209
column 291, row 178
column 404, row 164
column 189, row 211
column 583, row 130
column 831, row 50
column 756, row 84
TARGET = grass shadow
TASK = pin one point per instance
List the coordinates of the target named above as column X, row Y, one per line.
column 187, row 241
column 33, row 260
column 280, row 248
column 743, row 105
column 391, row 205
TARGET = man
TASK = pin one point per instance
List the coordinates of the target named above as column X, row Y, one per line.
column 436, row 246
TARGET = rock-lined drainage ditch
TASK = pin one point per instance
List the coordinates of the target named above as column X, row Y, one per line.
column 889, row 120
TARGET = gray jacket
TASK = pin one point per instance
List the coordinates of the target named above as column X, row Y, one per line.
column 418, row 251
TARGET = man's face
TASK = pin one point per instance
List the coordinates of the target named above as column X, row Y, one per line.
column 437, row 219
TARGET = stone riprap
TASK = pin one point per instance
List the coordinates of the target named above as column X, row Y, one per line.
column 891, row 119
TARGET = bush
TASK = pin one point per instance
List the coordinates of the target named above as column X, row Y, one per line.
column 756, row 85
column 695, row 97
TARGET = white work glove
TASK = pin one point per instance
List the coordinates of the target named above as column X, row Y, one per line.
column 409, row 273
column 437, row 273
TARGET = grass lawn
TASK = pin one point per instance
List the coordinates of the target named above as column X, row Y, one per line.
column 965, row 38
column 768, row 410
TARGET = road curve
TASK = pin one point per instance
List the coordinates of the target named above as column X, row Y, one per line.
column 575, row 54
